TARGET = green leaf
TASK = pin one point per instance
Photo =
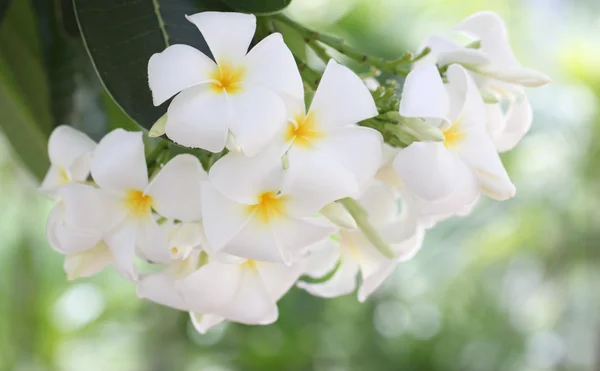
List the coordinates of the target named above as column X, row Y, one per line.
column 3, row 8
column 20, row 126
column 258, row 6
column 121, row 36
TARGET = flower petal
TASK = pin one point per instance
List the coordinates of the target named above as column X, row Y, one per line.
column 479, row 153
column 198, row 118
column 204, row 322
column 256, row 241
column 380, row 204
column 341, row 98
column 342, row 282
column 243, row 178
column 211, row 287
column 271, row 64
column 342, row 143
column 87, row 263
column 68, row 240
column 294, row 235
column 324, row 256
column 518, row 123
column 122, row 244
column 427, row 169
column 223, row 218
column 151, row 241
column 466, row 105
column 160, row 288
column 228, row 35
column 257, row 114
column 279, row 278
column 119, row 163
column 175, row 190
column 177, row 68
column 66, row 144
column 91, row 209
column 424, row 95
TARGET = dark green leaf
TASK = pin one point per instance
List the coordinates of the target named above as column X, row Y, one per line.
column 122, row 35
column 258, row 6
column 3, row 8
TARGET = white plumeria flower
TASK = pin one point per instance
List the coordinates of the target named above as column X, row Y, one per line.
column 496, row 72
column 69, row 151
column 121, row 208
column 85, row 251
column 239, row 290
column 328, row 137
column 355, row 254
column 254, row 209
column 240, row 92
column 426, row 211
column 466, row 162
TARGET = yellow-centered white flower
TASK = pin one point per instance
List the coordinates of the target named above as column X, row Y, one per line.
column 254, row 209
column 237, row 92
column 496, row 71
column 120, row 209
column 328, row 137
column 466, row 162
column 69, row 151
column 355, row 254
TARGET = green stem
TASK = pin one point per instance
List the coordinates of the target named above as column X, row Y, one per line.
column 312, row 38
column 362, row 220
column 161, row 145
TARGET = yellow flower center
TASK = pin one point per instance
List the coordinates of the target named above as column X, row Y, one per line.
column 453, row 135
column 304, row 132
column 269, row 206
column 63, row 177
column 249, row 264
column 174, row 250
column 227, row 78
column 138, row 203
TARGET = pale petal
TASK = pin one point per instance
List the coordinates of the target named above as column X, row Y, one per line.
column 151, row 241
column 467, row 106
column 315, row 179
column 119, row 163
column 122, row 244
column 271, row 64
column 479, row 153
column 68, row 240
column 66, row 144
column 514, row 75
column 87, row 263
column 251, row 303
column 279, row 278
column 424, row 95
column 256, row 241
column 380, row 204
column 437, row 45
column 342, row 143
column 372, row 282
column 91, row 209
column 427, row 169
column 175, row 190
column 518, row 123
column 464, row 56
column 228, row 35
column 80, row 168
column 342, row 282
column 54, row 178
column 244, row 179
column 341, row 98
column 198, row 118
column 223, row 218
column 294, row 235
column 322, row 259
column 257, row 114
column 177, row 68
column 211, row 287
column 204, row 322
column 160, row 288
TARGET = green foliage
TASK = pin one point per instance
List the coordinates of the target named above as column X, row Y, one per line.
column 24, row 95
column 121, row 36
column 258, row 6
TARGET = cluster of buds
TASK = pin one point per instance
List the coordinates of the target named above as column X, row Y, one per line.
column 312, row 197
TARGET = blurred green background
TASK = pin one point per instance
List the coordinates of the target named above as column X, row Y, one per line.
column 511, row 287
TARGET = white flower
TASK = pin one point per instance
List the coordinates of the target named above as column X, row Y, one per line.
column 239, row 290
column 120, row 210
column 254, row 209
column 496, row 72
column 355, row 254
column 69, row 151
column 241, row 92
column 466, row 162
column 328, row 138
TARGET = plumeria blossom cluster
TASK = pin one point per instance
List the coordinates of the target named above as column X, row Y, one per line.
column 300, row 194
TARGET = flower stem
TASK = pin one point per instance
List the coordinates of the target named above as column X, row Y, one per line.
column 397, row 67
column 362, row 220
